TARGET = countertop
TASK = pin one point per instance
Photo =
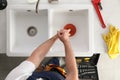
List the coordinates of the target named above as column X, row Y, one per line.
column 110, row 13
column 108, row 69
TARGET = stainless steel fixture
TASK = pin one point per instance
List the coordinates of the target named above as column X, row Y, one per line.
column 32, row 31
column 37, row 6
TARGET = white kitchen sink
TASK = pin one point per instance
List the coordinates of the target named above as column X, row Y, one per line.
column 26, row 30
column 81, row 17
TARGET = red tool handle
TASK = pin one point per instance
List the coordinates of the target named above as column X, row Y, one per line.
column 96, row 6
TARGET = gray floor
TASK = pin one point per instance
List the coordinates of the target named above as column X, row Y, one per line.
column 107, row 69
column 8, row 63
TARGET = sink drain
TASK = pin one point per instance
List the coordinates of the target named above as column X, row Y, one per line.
column 32, row 31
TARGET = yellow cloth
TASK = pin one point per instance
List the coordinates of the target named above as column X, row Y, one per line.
column 112, row 40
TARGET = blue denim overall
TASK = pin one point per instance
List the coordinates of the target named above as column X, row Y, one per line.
column 48, row 75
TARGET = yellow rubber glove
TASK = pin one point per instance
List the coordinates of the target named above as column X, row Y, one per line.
column 112, row 40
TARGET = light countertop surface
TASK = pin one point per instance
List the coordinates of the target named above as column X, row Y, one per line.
column 108, row 69
column 110, row 13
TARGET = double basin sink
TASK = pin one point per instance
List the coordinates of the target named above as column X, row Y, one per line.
column 26, row 29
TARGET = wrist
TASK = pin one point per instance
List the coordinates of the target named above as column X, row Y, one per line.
column 66, row 42
column 55, row 37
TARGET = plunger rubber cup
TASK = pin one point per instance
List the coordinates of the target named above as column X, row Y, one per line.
column 72, row 29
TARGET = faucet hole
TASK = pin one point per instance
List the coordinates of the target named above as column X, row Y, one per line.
column 32, row 31
column 71, row 10
column 28, row 10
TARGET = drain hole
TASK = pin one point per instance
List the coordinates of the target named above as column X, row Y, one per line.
column 32, row 31
column 71, row 10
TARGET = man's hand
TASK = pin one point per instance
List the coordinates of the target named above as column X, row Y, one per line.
column 64, row 35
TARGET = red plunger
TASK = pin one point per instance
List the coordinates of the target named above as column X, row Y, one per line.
column 72, row 28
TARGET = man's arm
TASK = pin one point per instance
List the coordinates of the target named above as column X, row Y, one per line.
column 39, row 53
column 72, row 72
column 71, row 66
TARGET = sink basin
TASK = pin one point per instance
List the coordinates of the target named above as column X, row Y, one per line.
column 26, row 30
column 80, row 16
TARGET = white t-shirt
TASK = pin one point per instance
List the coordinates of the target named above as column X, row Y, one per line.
column 22, row 71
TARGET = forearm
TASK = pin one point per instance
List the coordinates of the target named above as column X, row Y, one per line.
column 70, row 61
column 39, row 53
